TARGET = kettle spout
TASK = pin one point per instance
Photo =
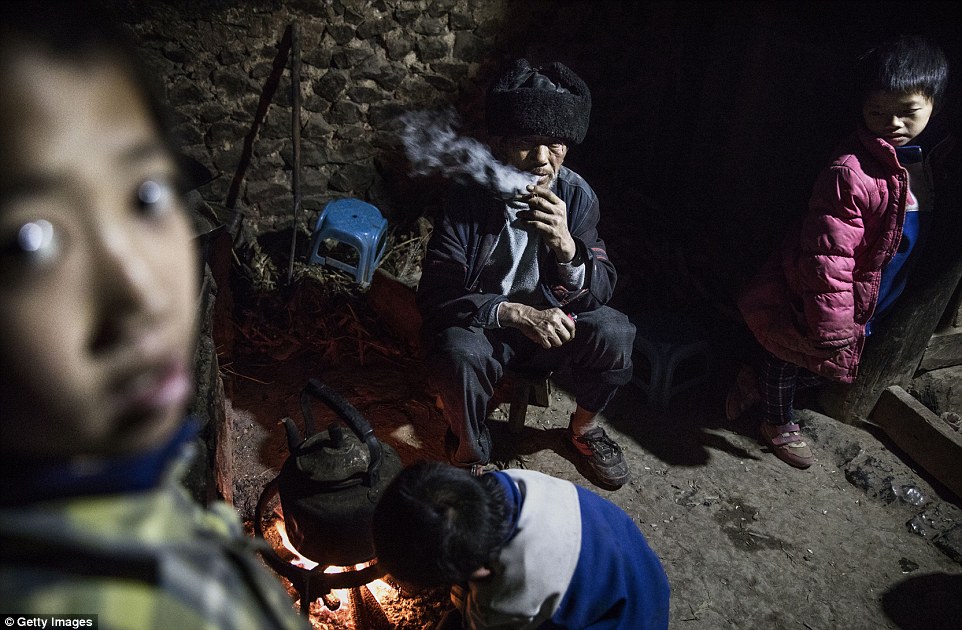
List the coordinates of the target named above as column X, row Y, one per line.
column 293, row 435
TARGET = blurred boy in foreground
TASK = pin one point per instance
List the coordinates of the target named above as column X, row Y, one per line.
column 97, row 292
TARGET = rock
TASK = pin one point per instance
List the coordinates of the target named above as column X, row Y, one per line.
column 939, row 390
column 393, row 301
column 950, row 542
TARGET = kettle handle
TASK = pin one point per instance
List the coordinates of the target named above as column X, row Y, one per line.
column 347, row 412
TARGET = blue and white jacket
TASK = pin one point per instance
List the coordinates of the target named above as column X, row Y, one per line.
column 576, row 560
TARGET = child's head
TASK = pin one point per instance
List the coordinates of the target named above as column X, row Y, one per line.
column 437, row 525
column 901, row 83
column 97, row 269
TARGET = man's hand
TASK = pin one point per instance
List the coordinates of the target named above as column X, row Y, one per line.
column 549, row 328
column 549, row 216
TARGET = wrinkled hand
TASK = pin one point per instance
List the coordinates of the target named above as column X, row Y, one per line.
column 548, row 215
column 549, row 328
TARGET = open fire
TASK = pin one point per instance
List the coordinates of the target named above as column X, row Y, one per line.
column 315, row 517
column 322, row 590
column 321, row 504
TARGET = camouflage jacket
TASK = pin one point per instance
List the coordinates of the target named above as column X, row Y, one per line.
column 145, row 560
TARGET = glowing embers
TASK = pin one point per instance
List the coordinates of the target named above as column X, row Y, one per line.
column 365, row 601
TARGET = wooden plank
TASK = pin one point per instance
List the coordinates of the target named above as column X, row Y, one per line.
column 526, row 389
column 541, row 391
column 953, row 315
column 944, row 350
column 932, row 443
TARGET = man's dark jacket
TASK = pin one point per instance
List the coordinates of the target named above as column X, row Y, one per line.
column 464, row 238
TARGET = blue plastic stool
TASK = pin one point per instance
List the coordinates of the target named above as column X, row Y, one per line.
column 355, row 223
column 668, row 341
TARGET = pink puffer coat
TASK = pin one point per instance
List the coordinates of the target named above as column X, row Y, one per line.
column 810, row 302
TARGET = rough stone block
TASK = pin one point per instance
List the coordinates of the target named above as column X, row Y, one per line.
column 943, row 350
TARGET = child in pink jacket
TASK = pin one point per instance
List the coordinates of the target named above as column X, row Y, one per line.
column 843, row 266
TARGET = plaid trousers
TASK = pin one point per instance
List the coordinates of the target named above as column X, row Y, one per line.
column 777, row 383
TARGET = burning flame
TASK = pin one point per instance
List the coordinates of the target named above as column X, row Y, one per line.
column 299, row 560
column 381, row 590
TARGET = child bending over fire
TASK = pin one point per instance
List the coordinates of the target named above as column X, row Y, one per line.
column 520, row 549
column 97, row 290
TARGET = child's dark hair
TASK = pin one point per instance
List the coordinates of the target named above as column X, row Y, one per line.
column 436, row 524
column 79, row 32
column 907, row 65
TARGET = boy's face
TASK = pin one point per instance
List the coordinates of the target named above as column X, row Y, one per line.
column 896, row 117
column 97, row 270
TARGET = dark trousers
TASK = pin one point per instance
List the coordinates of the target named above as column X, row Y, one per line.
column 465, row 364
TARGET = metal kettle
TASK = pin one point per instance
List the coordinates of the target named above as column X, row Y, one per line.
column 331, row 482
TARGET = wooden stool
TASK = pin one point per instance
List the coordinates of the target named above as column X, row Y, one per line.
column 518, row 389
column 526, row 388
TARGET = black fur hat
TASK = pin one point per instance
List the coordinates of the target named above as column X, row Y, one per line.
column 549, row 100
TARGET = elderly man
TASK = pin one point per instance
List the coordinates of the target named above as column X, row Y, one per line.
column 523, row 283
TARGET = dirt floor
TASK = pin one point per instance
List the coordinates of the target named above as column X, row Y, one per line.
column 746, row 541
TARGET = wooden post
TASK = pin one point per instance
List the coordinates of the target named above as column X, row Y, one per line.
column 270, row 87
column 893, row 354
column 296, row 136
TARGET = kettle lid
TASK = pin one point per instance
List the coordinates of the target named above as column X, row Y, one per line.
column 333, row 457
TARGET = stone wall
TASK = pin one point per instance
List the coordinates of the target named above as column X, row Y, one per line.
column 226, row 71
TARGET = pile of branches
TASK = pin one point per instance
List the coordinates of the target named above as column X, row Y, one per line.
column 322, row 310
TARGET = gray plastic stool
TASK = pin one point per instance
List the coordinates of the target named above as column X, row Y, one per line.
column 677, row 352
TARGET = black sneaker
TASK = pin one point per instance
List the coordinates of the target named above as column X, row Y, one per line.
column 480, row 469
column 606, row 459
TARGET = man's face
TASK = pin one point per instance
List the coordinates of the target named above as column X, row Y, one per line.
column 539, row 155
column 896, row 117
column 97, row 271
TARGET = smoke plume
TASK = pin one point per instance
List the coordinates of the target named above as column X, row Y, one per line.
column 434, row 146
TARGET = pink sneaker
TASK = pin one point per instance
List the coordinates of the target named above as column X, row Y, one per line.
column 787, row 444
